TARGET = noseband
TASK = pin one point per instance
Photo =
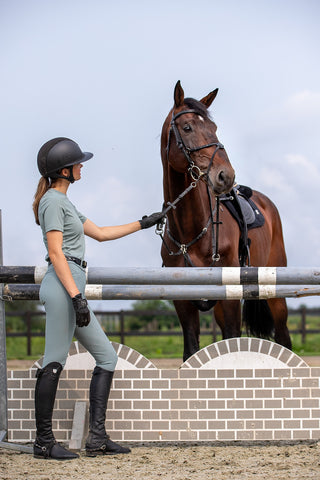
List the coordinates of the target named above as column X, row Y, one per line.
column 195, row 171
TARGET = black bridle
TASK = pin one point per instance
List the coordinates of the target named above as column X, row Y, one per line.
column 193, row 169
column 196, row 174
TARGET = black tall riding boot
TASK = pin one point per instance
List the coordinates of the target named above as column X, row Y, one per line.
column 98, row 442
column 45, row 445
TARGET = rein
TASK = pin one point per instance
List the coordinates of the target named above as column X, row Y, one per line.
column 196, row 173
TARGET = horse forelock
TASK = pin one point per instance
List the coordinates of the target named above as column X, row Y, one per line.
column 197, row 106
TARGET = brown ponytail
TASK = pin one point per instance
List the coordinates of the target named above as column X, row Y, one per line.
column 43, row 187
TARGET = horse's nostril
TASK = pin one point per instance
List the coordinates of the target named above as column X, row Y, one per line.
column 224, row 180
column 222, row 177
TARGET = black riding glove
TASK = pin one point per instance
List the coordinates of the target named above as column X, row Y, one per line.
column 149, row 221
column 80, row 306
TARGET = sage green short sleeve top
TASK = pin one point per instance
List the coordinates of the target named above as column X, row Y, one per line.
column 56, row 212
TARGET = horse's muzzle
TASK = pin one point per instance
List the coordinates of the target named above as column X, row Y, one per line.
column 222, row 180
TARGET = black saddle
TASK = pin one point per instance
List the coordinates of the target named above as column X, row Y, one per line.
column 247, row 215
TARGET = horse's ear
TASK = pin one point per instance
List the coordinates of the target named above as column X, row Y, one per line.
column 178, row 95
column 209, row 98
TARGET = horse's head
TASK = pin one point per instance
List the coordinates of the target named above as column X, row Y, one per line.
column 189, row 142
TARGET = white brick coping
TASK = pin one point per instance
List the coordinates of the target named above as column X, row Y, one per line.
column 244, row 353
column 227, row 354
column 80, row 359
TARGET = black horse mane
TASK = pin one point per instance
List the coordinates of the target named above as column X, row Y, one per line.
column 197, row 106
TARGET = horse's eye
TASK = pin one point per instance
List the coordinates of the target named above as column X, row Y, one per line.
column 187, row 128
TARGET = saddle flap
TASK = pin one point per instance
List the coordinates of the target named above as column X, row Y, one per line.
column 247, row 215
column 243, row 208
column 246, row 209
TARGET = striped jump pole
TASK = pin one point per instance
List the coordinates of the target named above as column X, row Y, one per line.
column 176, row 276
column 172, row 292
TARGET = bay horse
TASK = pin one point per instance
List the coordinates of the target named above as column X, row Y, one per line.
column 196, row 173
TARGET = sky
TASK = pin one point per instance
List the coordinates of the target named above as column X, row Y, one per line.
column 103, row 73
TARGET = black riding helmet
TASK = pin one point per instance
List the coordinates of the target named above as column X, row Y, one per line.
column 60, row 153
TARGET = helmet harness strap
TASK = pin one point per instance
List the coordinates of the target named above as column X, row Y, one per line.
column 70, row 178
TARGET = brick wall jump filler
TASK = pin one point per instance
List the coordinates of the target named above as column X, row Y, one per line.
column 197, row 402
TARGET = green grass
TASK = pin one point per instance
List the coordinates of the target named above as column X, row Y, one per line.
column 17, row 348
column 150, row 347
column 155, row 347
column 310, row 347
column 169, row 347
column 160, row 346
column 312, row 343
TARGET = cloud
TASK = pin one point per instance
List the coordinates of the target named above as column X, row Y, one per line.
column 111, row 199
column 308, row 172
column 292, row 172
column 305, row 104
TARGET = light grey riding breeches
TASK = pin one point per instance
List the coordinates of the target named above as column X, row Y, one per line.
column 61, row 323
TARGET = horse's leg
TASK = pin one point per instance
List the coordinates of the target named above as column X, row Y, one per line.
column 228, row 316
column 189, row 318
column 278, row 307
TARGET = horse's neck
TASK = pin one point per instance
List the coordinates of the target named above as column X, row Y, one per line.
column 192, row 212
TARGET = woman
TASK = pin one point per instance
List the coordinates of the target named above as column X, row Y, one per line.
column 63, row 294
